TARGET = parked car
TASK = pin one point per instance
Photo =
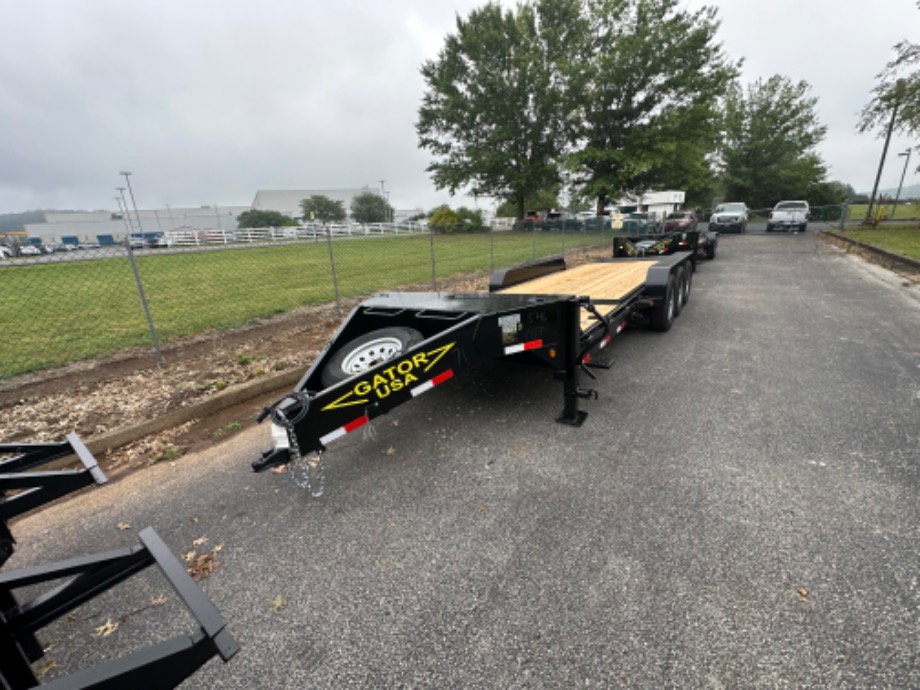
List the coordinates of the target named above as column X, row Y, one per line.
column 535, row 217
column 29, row 250
column 680, row 221
column 789, row 215
column 5, row 252
column 562, row 220
column 730, row 216
column 639, row 223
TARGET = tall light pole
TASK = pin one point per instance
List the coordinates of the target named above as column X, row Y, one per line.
column 137, row 276
column 901, row 183
column 127, row 175
column 125, row 213
column 124, row 217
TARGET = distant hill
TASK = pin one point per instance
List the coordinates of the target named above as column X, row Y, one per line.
column 910, row 192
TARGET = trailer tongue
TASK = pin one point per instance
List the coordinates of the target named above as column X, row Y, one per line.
column 397, row 346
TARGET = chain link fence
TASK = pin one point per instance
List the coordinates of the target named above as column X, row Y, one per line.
column 73, row 304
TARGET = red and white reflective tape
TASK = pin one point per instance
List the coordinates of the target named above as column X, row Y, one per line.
column 342, row 430
column 532, row 345
column 428, row 385
column 606, row 341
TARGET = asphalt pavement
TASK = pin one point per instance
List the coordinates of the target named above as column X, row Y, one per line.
column 740, row 509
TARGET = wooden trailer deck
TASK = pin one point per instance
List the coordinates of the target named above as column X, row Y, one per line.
column 600, row 281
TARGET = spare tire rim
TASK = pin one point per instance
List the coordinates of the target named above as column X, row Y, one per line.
column 370, row 354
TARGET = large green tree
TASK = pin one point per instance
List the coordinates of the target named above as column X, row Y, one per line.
column 896, row 96
column 496, row 98
column 264, row 219
column 770, row 140
column 322, row 208
column 652, row 75
column 369, row 207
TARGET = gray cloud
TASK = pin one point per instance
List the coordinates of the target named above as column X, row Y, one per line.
column 207, row 101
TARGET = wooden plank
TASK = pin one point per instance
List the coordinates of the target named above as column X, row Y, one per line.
column 598, row 281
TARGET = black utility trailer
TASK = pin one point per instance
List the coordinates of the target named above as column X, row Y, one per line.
column 398, row 345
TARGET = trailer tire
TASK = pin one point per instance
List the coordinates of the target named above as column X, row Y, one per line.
column 367, row 351
column 711, row 250
column 662, row 317
column 686, row 285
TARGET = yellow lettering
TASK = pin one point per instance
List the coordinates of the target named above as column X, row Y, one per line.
column 404, row 367
column 362, row 388
column 382, row 391
column 389, row 372
column 396, row 385
column 419, row 359
column 409, row 379
column 379, row 381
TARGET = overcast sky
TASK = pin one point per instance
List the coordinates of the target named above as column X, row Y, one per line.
column 208, row 101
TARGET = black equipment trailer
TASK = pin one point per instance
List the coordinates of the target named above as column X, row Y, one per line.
column 396, row 346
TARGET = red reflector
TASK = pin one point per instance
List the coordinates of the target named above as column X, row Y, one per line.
column 586, row 359
column 441, row 378
column 359, row 422
column 533, row 344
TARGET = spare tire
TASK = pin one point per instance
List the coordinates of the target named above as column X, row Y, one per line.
column 367, row 351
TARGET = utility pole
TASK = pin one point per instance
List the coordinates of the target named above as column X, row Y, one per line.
column 881, row 164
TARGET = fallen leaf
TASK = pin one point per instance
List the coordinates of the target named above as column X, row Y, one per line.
column 280, row 469
column 802, row 592
column 278, row 603
column 194, row 519
column 218, row 548
column 158, row 601
column 390, row 451
column 200, row 541
column 190, row 556
column 107, row 629
column 42, row 669
column 123, row 526
column 395, row 422
column 202, row 566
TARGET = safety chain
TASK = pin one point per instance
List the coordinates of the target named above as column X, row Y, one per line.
column 309, row 474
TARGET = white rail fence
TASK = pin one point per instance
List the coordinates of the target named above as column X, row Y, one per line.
column 191, row 237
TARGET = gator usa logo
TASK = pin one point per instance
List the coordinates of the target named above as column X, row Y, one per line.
column 394, row 378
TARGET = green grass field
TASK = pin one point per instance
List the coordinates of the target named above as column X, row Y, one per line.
column 904, row 239
column 65, row 311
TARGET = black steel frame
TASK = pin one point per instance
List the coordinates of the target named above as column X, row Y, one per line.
column 163, row 665
column 37, row 488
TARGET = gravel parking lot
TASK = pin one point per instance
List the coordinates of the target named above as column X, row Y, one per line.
column 740, row 509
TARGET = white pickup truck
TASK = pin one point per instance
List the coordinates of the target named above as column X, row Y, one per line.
column 789, row 215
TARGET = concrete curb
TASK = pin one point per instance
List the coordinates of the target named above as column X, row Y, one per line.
column 883, row 256
column 216, row 403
